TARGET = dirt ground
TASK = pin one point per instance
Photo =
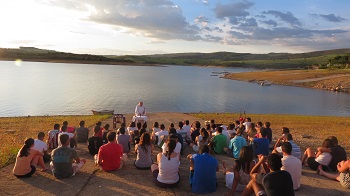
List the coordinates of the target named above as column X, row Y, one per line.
column 130, row 181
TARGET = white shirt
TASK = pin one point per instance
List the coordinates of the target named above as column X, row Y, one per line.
column 40, row 145
column 187, row 128
column 71, row 135
column 177, row 148
column 140, row 110
column 324, row 158
column 161, row 133
column 292, row 165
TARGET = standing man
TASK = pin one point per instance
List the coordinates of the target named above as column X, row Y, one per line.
column 62, row 158
column 140, row 110
column 203, row 168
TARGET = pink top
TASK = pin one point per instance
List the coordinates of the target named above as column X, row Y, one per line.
column 22, row 165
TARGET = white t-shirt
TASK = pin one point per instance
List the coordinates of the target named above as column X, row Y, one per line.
column 160, row 134
column 187, row 128
column 130, row 130
column 177, row 148
column 40, row 145
column 71, row 135
column 324, row 158
column 292, row 165
column 247, row 124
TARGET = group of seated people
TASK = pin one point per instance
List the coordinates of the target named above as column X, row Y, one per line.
column 256, row 168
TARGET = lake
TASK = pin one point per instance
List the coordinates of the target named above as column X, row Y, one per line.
column 39, row 88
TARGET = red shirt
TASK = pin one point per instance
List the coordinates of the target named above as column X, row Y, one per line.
column 110, row 154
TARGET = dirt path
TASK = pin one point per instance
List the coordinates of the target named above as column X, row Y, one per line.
column 130, row 181
column 319, row 79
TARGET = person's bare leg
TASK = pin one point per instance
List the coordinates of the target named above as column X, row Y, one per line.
column 328, row 175
column 42, row 164
column 154, row 167
column 308, row 153
column 248, row 190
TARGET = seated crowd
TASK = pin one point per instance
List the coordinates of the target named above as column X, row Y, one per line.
column 256, row 169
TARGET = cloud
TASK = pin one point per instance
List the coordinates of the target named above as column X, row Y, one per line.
column 203, row 1
column 233, row 10
column 202, row 20
column 270, row 23
column 218, row 29
column 249, row 22
column 330, row 17
column 286, row 17
column 160, row 19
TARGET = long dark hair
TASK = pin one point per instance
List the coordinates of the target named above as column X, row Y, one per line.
column 204, row 133
column 145, row 141
column 245, row 157
column 171, row 147
column 26, row 147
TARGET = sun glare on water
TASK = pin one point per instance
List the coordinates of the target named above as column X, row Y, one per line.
column 18, row 62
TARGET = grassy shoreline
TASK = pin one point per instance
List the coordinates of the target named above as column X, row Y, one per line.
column 14, row 130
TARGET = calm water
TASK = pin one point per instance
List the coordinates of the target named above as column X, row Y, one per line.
column 51, row 89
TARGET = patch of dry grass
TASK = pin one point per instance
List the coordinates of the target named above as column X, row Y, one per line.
column 25, row 127
column 319, row 127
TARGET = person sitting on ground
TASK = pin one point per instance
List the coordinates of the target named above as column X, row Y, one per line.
column 136, row 133
column 179, row 139
column 131, row 128
column 52, row 139
column 212, row 130
column 187, row 128
column 124, row 140
column 201, row 140
column 274, row 182
column 288, row 138
column 261, row 144
column 82, row 133
column 110, row 156
column 246, row 124
column 62, row 165
column 338, row 153
column 100, row 128
column 41, row 146
column 203, row 168
column 104, row 133
column 231, row 129
column 143, row 151
column 237, row 125
column 95, row 142
column 268, row 130
column 196, row 131
column 177, row 149
column 140, row 132
column 161, row 134
column 343, row 176
column 69, row 128
column 219, row 142
column 311, row 160
column 166, row 173
column 291, row 164
column 238, row 177
column 26, row 160
column 251, row 131
column 70, row 135
column 155, row 129
column 236, row 144
column 184, row 134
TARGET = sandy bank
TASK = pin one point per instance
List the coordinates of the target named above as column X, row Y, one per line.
column 334, row 80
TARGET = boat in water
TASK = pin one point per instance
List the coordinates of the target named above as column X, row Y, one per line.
column 102, row 112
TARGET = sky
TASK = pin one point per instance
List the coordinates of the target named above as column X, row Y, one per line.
column 120, row 27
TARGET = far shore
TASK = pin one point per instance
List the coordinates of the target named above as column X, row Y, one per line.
column 333, row 80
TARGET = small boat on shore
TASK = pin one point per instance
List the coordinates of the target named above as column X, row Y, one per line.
column 102, row 112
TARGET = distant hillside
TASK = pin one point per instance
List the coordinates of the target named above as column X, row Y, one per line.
column 227, row 59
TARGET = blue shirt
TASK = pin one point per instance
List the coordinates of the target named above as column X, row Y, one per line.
column 236, row 145
column 204, row 177
column 262, row 146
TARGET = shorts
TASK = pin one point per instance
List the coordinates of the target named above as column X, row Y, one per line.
column 163, row 185
column 313, row 164
column 344, row 179
column 32, row 171
column 229, row 177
